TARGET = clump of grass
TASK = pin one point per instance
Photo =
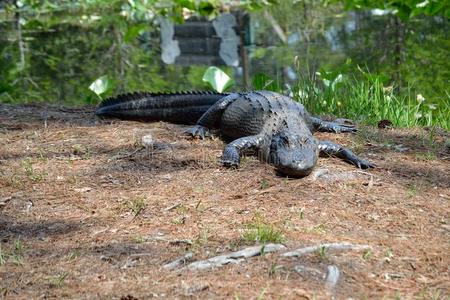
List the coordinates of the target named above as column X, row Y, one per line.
column 202, row 238
column 367, row 100
column 136, row 205
column 138, row 239
column 18, row 252
column 388, row 255
column 73, row 255
column 262, row 232
column 274, row 269
column 367, row 254
column 264, row 184
column 2, row 256
column 320, row 228
column 59, row 280
column 323, row 253
column 81, row 150
column 31, row 173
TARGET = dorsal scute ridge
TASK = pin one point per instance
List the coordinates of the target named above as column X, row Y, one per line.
column 132, row 96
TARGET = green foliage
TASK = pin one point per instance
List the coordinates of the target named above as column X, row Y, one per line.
column 253, row 5
column 405, row 9
column 3, row 256
column 100, row 85
column 218, row 79
column 262, row 232
column 136, row 205
column 62, row 53
column 368, row 100
column 59, row 280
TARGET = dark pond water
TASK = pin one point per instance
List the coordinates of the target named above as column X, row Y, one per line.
column 55, row 57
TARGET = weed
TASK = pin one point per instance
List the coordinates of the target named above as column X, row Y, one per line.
column 367, row 254
column 202, row 238
column 17, row 253
column 432, row 294
column 2, row 256
column 388, row 255
column 179, row 221
column 73, row 255
column 323, row 253
column 81, row 150
column 274, row 269
column 412, row 191
column 262, row 232
column 302, row 213
column 182, row 209
column 321, row 228
column 427, row 156
column 264, row 184
column 58, row 281
column 261, row 295
column 136, row 205
column 138, row 239
column 31, row 173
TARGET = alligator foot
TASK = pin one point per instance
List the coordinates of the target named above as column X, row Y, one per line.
column 335, row 127
column 333, row 149
column 198, row 131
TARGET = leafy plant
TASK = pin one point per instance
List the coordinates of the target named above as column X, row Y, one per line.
column 31, row 172
column 218, row 79
column 100, row 85
column 136, row 205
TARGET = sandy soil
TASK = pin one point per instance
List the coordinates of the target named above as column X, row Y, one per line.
column 87, row 212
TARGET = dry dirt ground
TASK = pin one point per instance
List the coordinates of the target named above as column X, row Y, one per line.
column 87, row 212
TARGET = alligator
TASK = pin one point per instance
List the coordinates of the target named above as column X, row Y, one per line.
column 276, row 128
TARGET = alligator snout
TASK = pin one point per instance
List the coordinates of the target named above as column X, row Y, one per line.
column 295, row 162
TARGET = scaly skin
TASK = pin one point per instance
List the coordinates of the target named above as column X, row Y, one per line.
column 279, row 129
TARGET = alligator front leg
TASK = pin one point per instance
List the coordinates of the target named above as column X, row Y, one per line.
column 325, row 126
column 328, row 148
column 231, row 156
column 212, row 117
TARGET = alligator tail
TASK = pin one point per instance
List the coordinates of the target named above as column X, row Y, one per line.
column 178, row 107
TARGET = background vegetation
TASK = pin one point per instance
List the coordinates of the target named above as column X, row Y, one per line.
column 364, row 59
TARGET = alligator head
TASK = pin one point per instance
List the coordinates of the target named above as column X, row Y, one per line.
column 293, row 155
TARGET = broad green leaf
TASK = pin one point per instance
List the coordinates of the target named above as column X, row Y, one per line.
column 100, row 85
column 133, row 32
column 218, row 79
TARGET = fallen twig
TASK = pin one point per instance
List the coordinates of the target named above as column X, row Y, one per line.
column 330, row 246
column 181, row 261
column 234, row 257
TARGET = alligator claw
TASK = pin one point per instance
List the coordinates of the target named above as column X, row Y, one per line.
column 198, row 131
column 344, row 128
column 364, row 164
column 230, row 164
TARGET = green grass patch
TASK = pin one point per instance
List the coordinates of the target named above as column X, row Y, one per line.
column 368, row 100
column 262, row 232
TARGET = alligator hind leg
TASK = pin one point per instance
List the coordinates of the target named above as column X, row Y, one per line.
column 231, row 156
column 212, row 117
column 325, row 126
column 332, row 149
